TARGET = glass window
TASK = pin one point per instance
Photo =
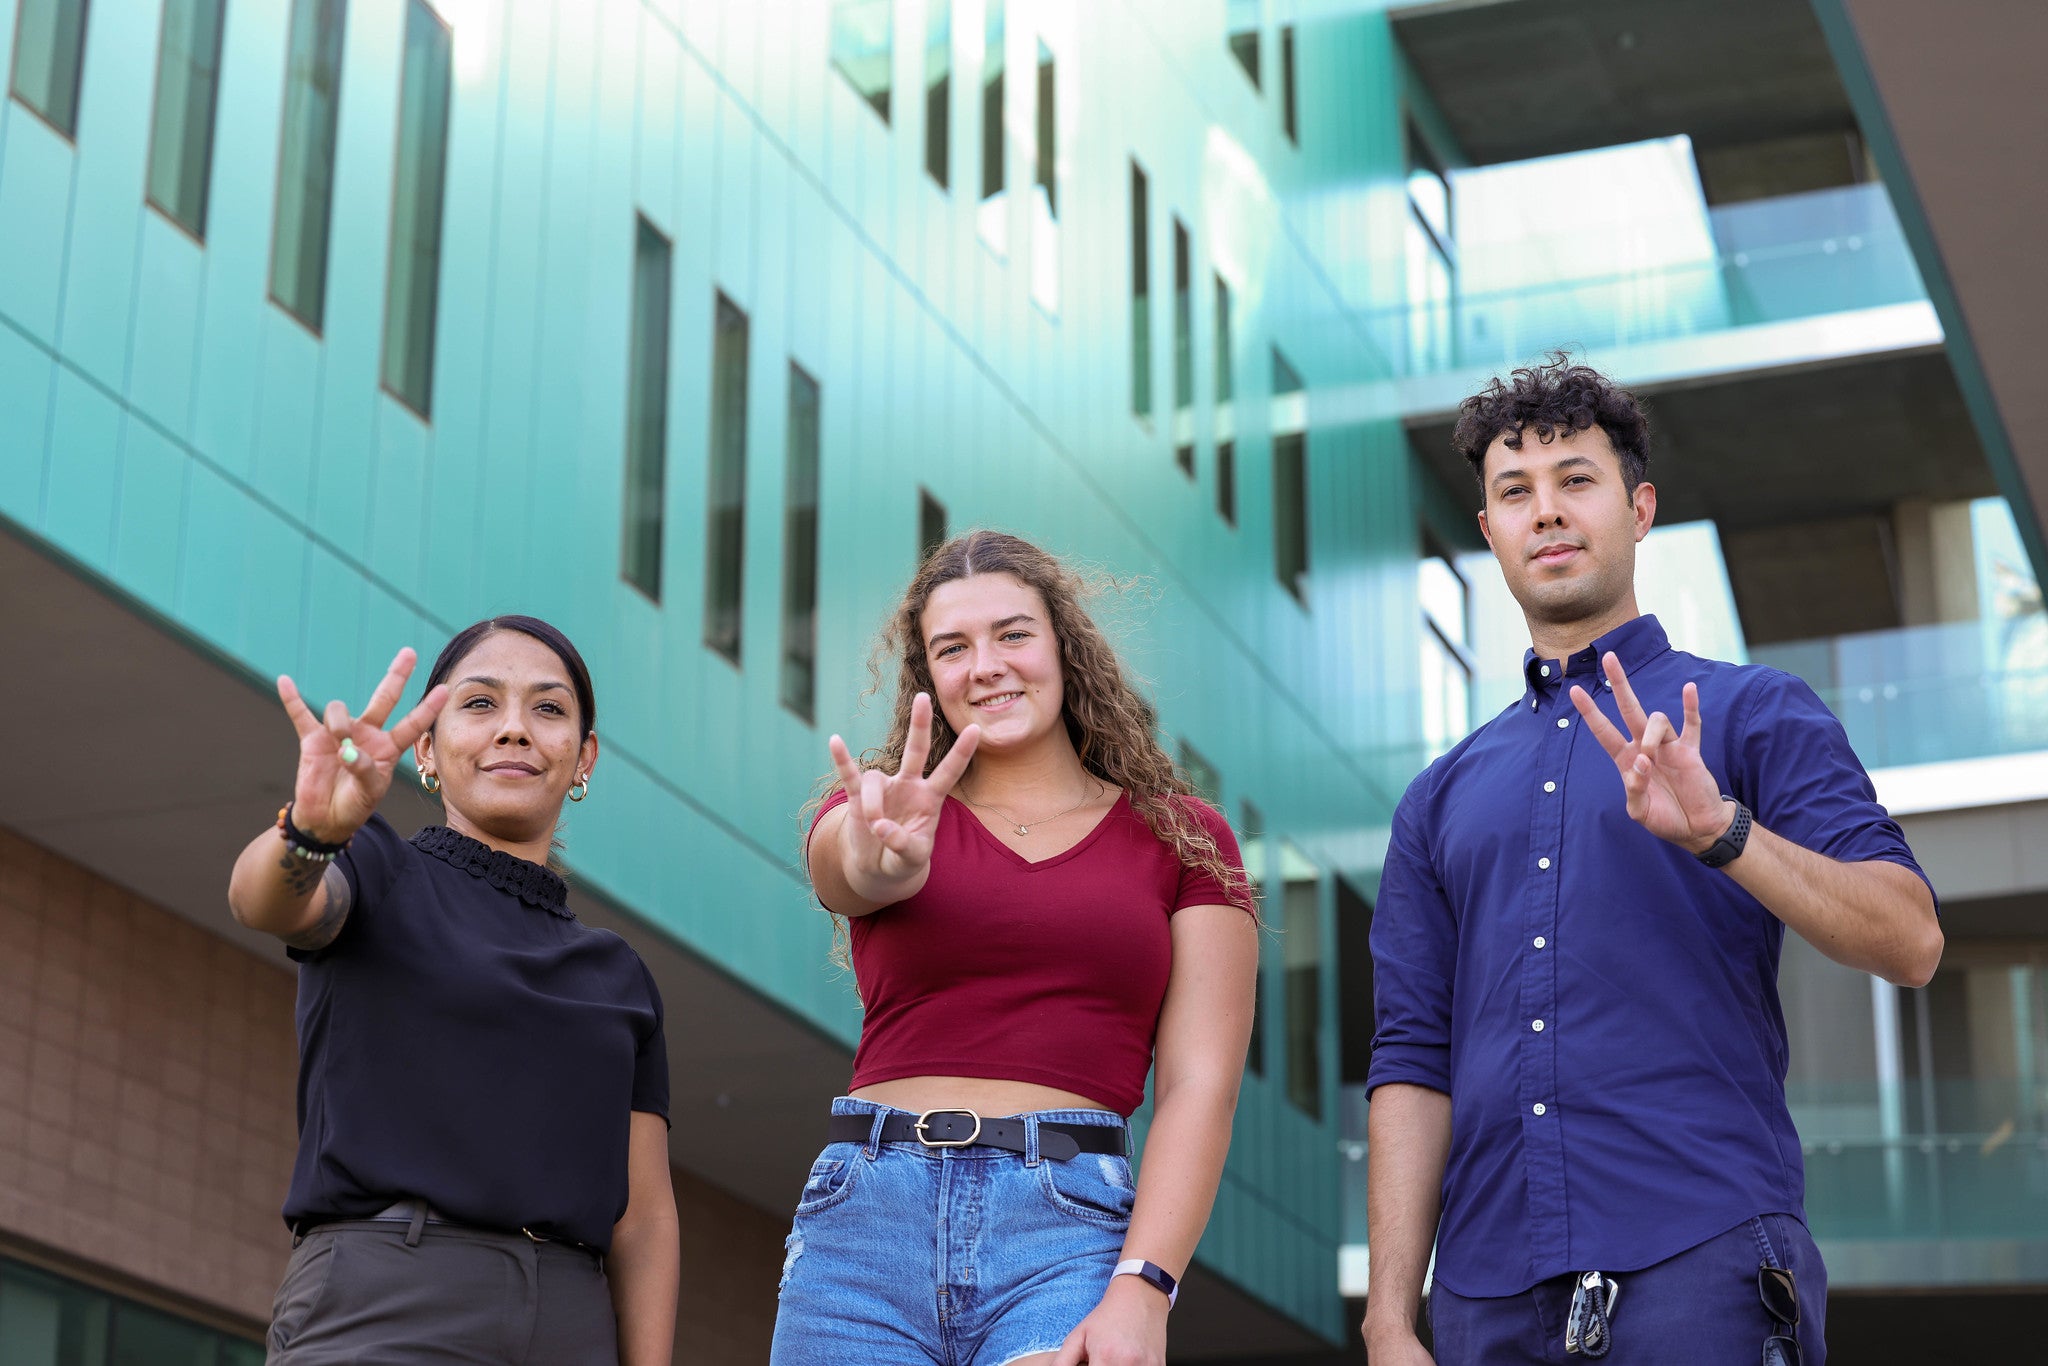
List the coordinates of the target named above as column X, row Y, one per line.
column 305, row 160
column 1251, row 842
column 861, row 34
column 1183, row 349
column 1226, row 481
column 725, row 505
column 992, row 216
column 1045, row 199
column 1224, row 345
column 1290, row 114
column 49, row 53
column 647, row 411
column 1244, row 18
column 938, row 91
column 1446, row 641
column 1301, row 949
column 800, row 548
column 1208, row 784
column 1432, row 276
column 181, row 133
column 1290, row 478
column 1141, row 294
column 51, row 1320
column 931, row 524
column 415, row 274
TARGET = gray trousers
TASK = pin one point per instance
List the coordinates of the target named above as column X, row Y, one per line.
column 365, row 1292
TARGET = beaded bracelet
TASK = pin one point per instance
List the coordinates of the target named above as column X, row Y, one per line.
column 302, row 845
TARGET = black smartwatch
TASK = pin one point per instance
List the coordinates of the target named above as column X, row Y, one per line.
column 1728, row 848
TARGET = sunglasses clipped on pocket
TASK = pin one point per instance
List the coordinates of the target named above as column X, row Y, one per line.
column 1780, row 1294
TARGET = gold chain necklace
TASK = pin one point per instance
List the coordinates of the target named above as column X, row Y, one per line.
column 1095, row 790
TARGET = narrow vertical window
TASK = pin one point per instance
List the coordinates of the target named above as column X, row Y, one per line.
column 1183, row 351
column 725, row 504
column 1226, row 415
column 49, row 52
column 938, row 91
column 1201, row 775
column 862, row 31
column 305, row 160
column 800, row 548
column 993, row 213
column 1251, row 839
column 414, row 278
column 1301, row 939
column 647, row 411
column 1290, row 479
column 1290, row 111
column 1045, row 196
column 1244, row 19
column 1432, row 262
column 1141, row 294
column 931, row 524
column 181, row 132
column 1446, row 600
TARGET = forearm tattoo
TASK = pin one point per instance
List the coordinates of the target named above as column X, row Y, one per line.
column 333, row 916
column 300, row 875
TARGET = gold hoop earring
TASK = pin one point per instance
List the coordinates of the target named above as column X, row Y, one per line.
column 431, row 783
column 581, row 790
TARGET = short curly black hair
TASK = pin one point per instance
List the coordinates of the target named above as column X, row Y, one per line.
column 1552, row 399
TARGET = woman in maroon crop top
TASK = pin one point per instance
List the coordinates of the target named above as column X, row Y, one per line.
column 1040, row 912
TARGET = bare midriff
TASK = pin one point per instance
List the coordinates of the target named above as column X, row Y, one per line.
column 985, row 1096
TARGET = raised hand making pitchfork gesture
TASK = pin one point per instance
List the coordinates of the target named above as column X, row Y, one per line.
column 891, row 818
column 1671, row 793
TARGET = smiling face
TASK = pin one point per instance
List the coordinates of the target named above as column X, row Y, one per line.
column 509, row 743
column 1564, row 526
column 994, row 660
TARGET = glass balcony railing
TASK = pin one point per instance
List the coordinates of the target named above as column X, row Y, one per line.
column 1769, row 261
column 1926, row 694
column 1983, row 1174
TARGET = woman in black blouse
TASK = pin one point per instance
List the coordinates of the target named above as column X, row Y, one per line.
column 482, row 1171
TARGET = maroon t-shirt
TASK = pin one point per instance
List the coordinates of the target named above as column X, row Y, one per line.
column 1050, row 972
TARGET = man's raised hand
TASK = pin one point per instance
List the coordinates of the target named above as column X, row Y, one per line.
column 1671, row 793
column 346, row 762
column 891, row 819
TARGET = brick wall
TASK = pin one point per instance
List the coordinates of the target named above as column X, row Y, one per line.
column 147, row 1070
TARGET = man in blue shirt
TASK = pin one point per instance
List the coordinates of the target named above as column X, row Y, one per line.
column 1580, row 1058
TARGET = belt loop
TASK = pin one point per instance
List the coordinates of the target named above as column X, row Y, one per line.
column 881, row 1117
column 1030, row 1140
column 418, row 1224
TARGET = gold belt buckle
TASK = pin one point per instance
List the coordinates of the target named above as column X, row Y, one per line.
column 947, row 1142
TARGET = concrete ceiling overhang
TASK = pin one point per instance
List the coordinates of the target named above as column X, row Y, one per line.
column 152, row 761
column 1518, row 79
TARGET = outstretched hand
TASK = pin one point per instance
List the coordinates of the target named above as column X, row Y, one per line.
column 346, row 762
column 1670, row 791
column 891, row 819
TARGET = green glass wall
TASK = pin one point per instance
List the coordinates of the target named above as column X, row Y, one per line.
column 454, row 439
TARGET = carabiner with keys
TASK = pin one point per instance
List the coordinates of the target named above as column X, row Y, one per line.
column 1587, row 1331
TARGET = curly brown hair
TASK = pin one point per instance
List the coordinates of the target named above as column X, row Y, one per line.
column 1114, row 729
column 1551, row 399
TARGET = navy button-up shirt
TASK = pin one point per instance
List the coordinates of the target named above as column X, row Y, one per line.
column 1601, row 1007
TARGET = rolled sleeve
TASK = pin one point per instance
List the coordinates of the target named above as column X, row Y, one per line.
column 1414, row 943
column 1805, row 784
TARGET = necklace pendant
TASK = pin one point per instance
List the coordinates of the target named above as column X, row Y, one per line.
column 1023, row 829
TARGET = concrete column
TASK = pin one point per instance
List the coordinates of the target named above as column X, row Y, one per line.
column 1937, row 562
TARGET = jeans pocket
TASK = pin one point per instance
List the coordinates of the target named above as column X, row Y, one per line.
column 306, row 1278
column 831, row 1180
column 1092, row 1186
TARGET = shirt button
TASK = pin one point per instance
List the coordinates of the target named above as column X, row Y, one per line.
column 1538, row 1107
column 1537, row 1026
column 1543, row 863
column 1550, row 787
column 1545, row 671
column 1540, row 941
column 1563, row 721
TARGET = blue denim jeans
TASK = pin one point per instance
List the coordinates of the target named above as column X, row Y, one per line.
column 904, row 1255
column 1699, row 1308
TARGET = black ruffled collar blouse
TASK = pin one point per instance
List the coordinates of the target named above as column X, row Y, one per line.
column 533, row 884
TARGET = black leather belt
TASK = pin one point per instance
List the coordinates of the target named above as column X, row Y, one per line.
column 965, row 1128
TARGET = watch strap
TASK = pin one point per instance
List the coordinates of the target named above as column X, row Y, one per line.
column 1154, row 1275
column 1728, row 848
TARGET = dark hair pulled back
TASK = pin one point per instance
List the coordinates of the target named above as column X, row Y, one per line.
column 469, row 637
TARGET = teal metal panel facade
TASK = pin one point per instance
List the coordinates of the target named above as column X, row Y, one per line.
column 187, row 441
